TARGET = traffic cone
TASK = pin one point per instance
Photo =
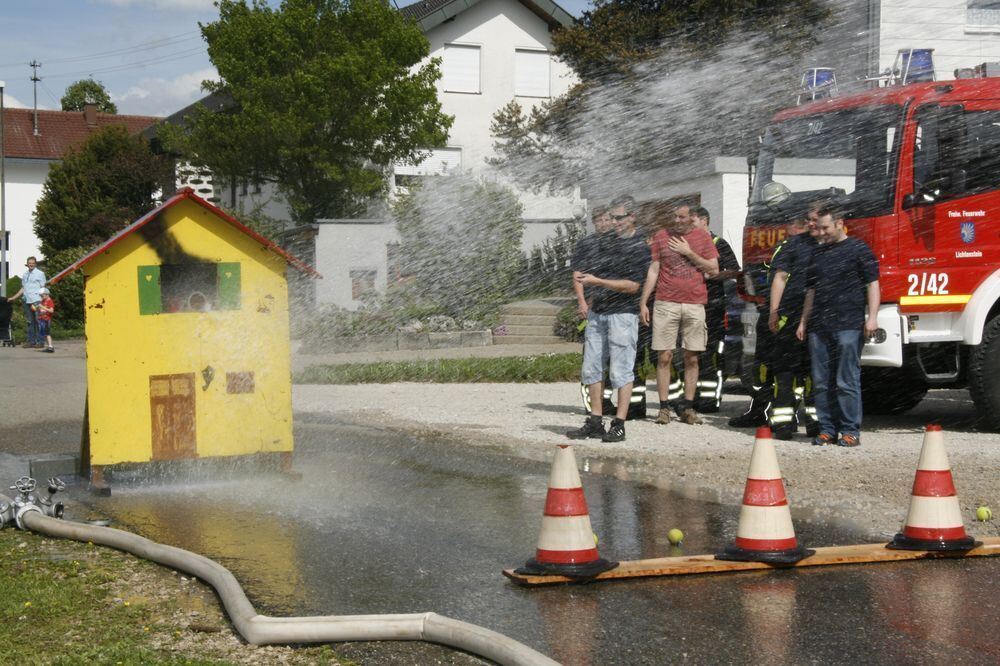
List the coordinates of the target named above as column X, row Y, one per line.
column 765, row 532
column 934, row 521
column 566, row 545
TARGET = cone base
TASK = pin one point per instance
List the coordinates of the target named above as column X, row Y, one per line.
column 903, row 542
column 734, row 553
column 579, row 572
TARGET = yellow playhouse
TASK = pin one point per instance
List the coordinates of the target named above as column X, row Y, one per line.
column 187, row 339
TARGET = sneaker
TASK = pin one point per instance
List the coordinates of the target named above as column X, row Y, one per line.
column 849, row 440
column 748, row 420
column 663, row 418
column 616, row 433
column 823, row 439
column 593, row 428
column 691, row 417
column 49, row 350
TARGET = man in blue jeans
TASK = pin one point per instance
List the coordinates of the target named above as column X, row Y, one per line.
column 613, row 276
column 842, row 284
column 32, row 282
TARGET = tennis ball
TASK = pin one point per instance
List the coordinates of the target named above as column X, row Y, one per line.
column 984, row 513
column 675, row 536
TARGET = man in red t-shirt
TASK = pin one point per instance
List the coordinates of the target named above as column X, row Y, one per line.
column 683, row 256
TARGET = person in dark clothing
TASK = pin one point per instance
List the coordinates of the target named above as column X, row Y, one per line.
column 615, row 276
column 842, row 287
column 585, row 252
column 712, row 361
column 762, row 387
column 789, row 356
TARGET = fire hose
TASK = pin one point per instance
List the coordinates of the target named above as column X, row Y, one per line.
column 43, row 515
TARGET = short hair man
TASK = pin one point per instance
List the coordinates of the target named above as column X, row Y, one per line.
column 32, row 282
column 682, row 257
column 615, row 276
column 712, row 361
column 585, row 253
column 842, row 285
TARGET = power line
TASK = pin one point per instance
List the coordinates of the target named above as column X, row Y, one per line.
column 138, row 64
column 163, row 42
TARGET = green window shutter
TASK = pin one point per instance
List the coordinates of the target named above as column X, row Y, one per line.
column 149, row 290
column 229, row 286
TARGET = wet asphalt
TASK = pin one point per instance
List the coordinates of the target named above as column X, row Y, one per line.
column 386, row 523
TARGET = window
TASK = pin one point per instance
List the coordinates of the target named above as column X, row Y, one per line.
column 362, row 281
column 439, row 162
column 239, row 382
column 460, row 68
column 191, row 287
column 531, row 73
column 983, row 13
column 956, row 152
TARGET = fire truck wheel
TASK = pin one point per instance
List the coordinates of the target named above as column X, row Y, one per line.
column 890, row 390
column 984, row 374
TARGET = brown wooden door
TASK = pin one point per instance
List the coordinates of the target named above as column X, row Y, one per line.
column 171, row 402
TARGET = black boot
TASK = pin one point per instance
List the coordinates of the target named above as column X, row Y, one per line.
column 593, row 428
column 756, row 414
column 616, row 433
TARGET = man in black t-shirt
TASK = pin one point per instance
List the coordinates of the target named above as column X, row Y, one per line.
column 585, row 254
column 842, row 287
column 615, row 277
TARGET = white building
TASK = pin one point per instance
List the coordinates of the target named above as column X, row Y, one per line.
column 30, row 150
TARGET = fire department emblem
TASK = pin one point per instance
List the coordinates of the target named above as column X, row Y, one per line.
column 968, row 231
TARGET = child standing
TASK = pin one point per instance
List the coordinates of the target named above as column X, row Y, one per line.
column 45, row 309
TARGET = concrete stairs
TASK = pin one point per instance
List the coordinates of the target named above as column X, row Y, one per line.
column 530, row 322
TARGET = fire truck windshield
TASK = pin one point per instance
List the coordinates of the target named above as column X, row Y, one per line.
column 851, row 152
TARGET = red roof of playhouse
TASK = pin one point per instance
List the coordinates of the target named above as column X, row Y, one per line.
column 58, row 131
column 188, row 194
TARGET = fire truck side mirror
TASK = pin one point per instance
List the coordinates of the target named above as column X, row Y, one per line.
column 909, row 201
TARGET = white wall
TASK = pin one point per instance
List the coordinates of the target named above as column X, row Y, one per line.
column 498, row 27
column 943, row 25
column 341, row 248
column 23, row 187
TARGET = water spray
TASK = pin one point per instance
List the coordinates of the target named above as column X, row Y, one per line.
column 43, row 515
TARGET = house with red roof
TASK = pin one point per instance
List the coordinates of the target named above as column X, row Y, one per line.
column 33, row 142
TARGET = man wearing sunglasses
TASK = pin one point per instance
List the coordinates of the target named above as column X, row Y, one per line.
column 614, row 278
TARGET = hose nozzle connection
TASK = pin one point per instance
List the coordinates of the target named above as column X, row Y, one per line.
column 12, row 511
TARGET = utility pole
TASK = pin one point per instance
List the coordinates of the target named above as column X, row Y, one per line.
column 3, row 202
column 34, row 64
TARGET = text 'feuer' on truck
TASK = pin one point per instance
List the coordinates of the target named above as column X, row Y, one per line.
column 918, row 167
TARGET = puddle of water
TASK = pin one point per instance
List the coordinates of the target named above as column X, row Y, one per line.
column 381, row 523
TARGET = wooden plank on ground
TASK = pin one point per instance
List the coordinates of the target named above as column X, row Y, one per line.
column 706, row 564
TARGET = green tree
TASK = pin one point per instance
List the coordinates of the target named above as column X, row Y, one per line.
column 324, row 96
column 68, row 292
column 615, row 34
column 101, row 186
column 460, row 244
column 87, row 91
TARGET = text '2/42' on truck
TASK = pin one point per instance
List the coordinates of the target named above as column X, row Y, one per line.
column 918, row 169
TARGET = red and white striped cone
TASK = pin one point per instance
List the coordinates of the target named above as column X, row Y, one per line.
column 765, row 532
column 934, row 521
column 566, row 543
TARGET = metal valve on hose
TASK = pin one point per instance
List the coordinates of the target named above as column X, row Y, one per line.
column 26, row 501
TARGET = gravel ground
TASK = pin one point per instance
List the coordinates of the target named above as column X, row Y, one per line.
column 866, row 488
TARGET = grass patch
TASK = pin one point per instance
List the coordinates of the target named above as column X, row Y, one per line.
column 63, row 602
column 511, row 369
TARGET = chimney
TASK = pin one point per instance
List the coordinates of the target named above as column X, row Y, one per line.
column 90, row 115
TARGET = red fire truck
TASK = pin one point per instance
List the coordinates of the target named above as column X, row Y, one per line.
column 918, row 167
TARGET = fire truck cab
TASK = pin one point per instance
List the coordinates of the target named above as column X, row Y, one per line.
column 918, row 168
